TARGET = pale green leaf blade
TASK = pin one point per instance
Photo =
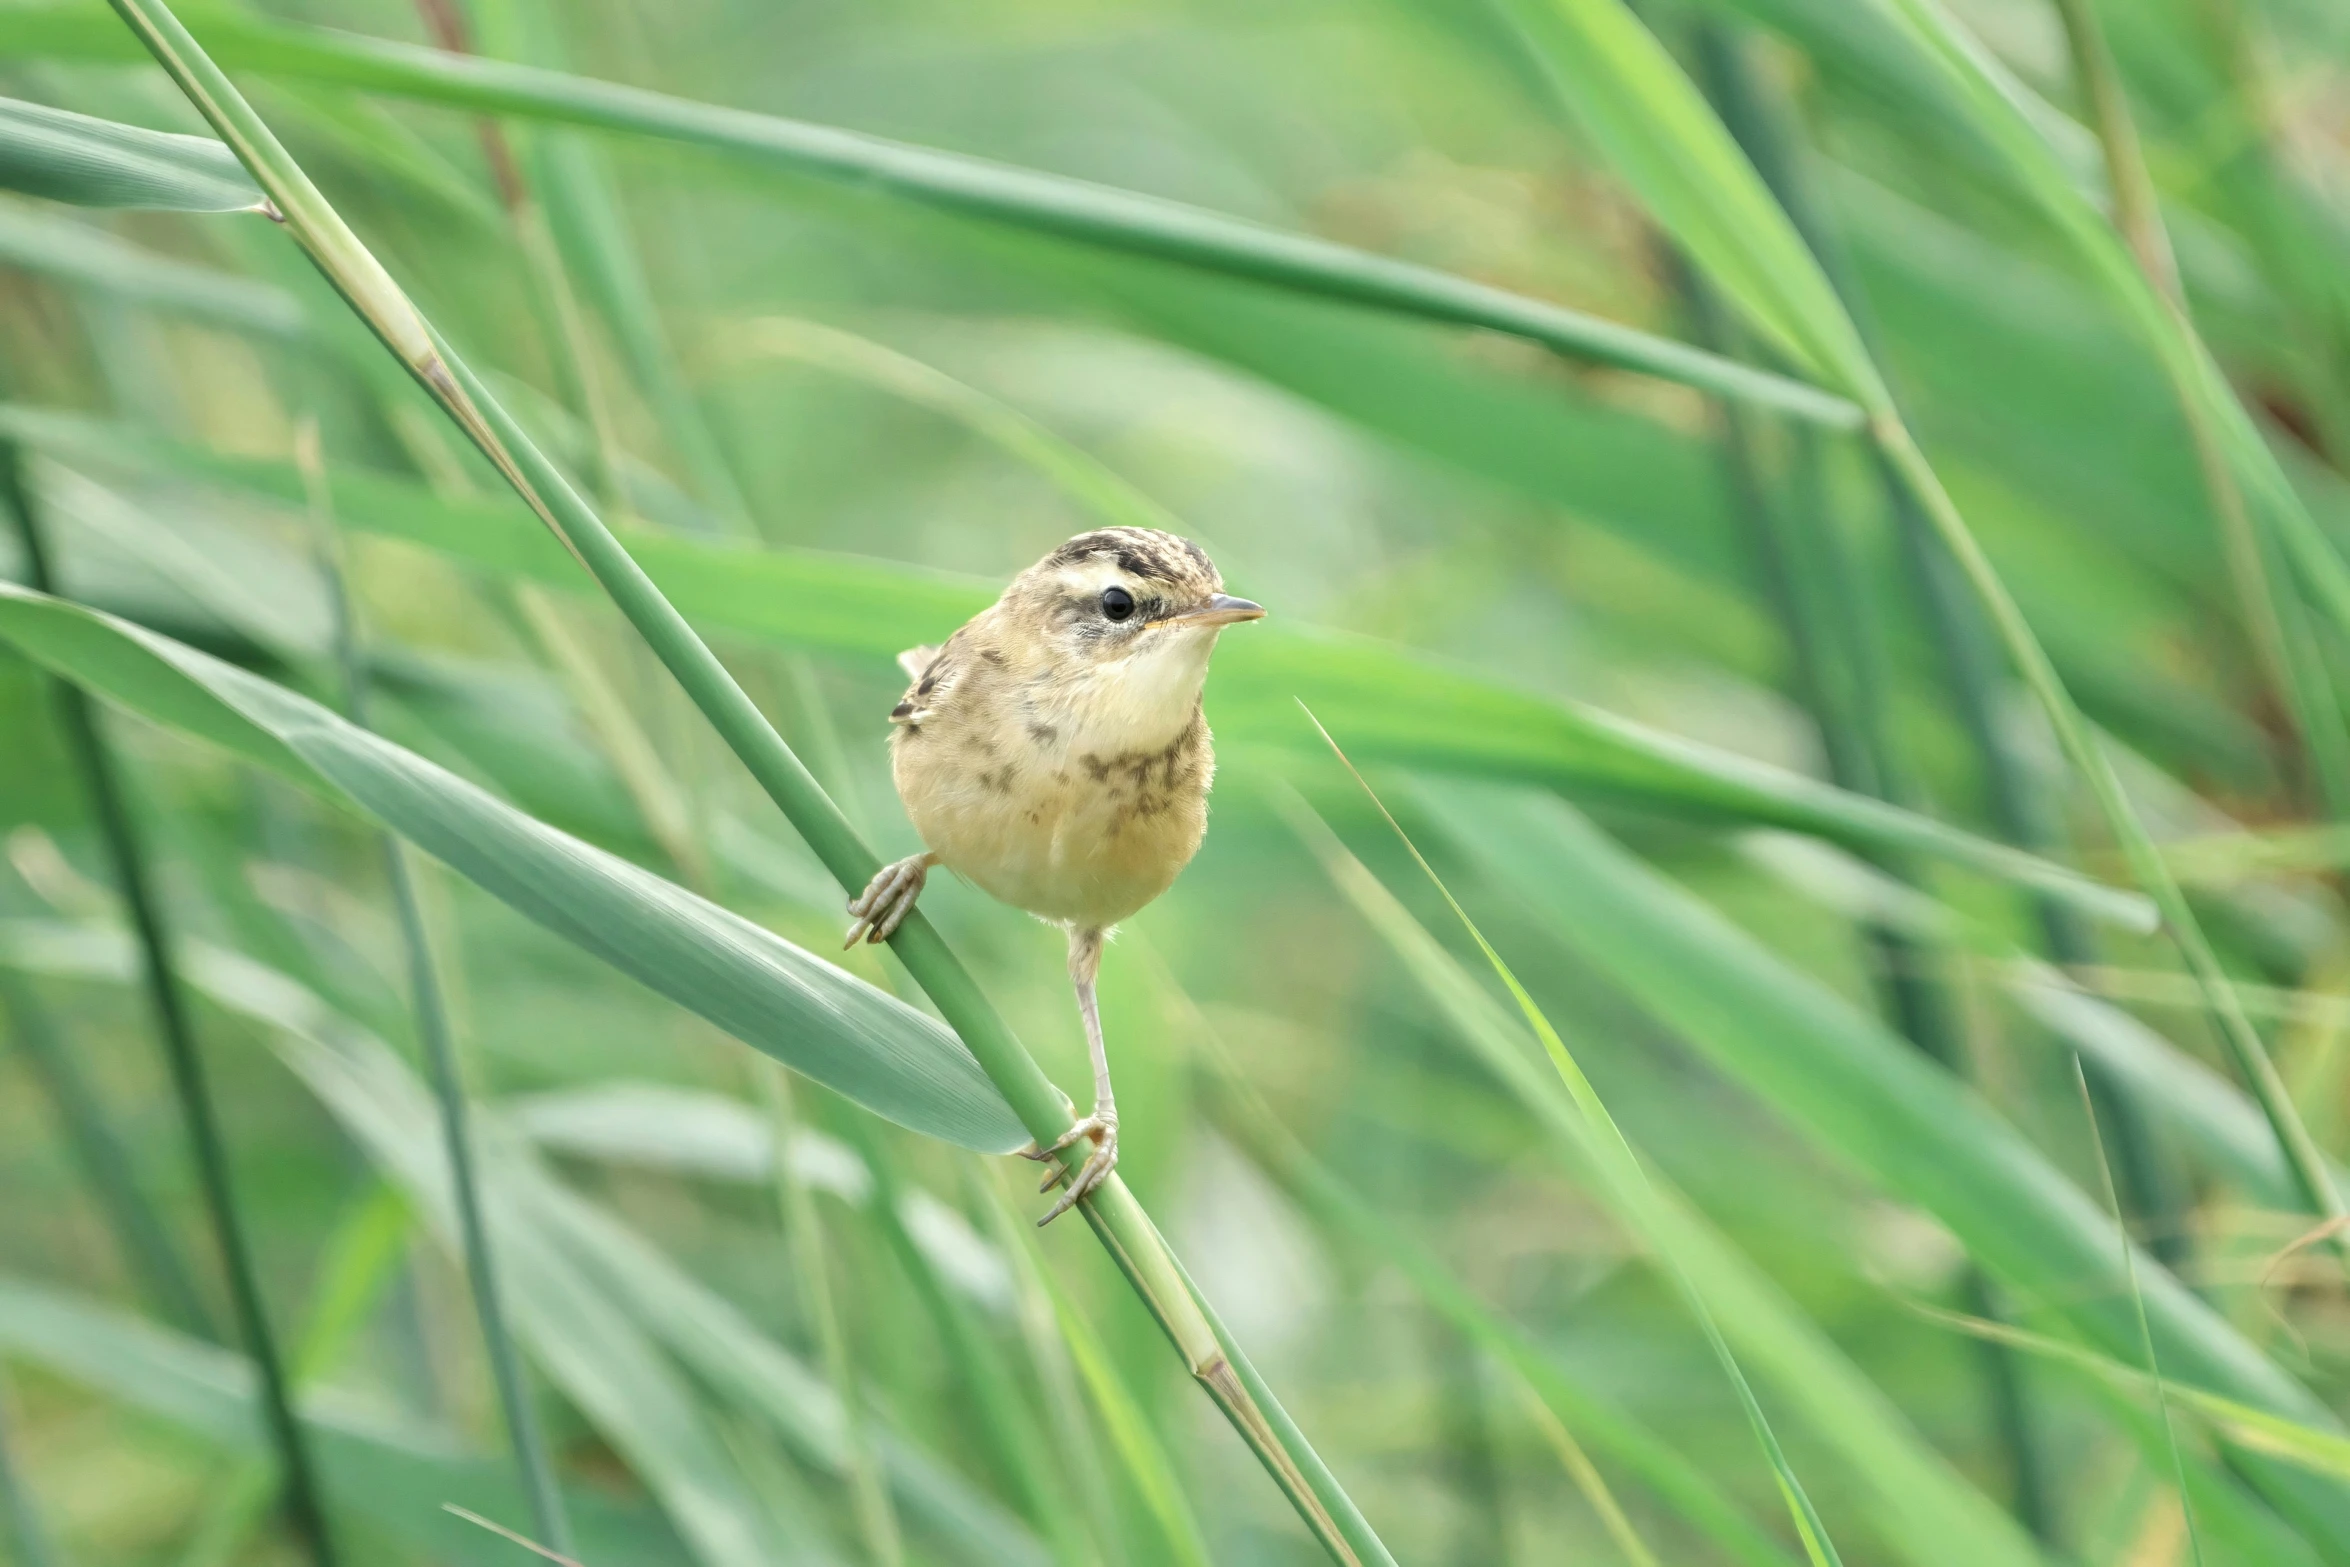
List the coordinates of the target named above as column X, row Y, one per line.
column 1630, row 97
column 808, row 1014
column 63, row 156
column 1392, row 704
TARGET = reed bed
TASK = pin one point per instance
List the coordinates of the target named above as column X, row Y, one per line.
column 1767, row 985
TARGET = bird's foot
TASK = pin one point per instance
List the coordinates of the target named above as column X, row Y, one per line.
column 887, row 899
column 1102, row 1127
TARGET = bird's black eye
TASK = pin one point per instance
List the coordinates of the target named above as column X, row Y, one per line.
column 1117, row 603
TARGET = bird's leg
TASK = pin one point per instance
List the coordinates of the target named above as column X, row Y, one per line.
column 888, row 898
column 1085, row 961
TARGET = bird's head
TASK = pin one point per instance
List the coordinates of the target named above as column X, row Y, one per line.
column 1128, row 610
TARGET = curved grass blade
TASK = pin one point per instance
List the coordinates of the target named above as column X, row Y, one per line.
column 1629, row 1190
column 434, row 1029
column 69, row 157
column 183, row 1055
column 812, row 1271
column 2319, row 1451
column 1395, row 705
column 1148, row 1466
column 804, row 1012
column 1621, row 86
column 1688, row 1488
column 1671, row 146
column 1003, row 1413
column 1860, row 1093
column 1933, row 1515
column 1069, row 209
column 2162, row 1401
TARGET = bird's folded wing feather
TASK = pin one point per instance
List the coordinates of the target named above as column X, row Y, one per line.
column 932, row 671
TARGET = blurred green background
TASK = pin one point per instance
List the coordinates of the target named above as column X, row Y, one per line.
column 1849, row 1059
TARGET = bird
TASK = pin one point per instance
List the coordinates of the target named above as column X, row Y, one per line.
column 1054, row 752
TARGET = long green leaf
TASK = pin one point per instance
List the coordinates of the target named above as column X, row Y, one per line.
column 1069, row 209
column 70, row 157
column 1392, row 705
column 1619, row 1168
column 568, row 1248
column 1860, row 1092
column 768, row 993
column 1931, row 1514
column 1625, row 91
column 1670, row 144
column 1691, row 1491
column 1221, row 1367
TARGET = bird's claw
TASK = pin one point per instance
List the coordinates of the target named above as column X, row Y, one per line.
column 1102, row 1127
column 887, row 899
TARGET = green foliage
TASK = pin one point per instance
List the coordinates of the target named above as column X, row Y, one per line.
column 801, row 328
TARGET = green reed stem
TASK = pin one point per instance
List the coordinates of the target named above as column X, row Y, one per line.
column 1120, row 1222
column 1860, row 759
column 550, row 1523
column 1954, row 625
column 94, row 759
column 1074, row 210
column 2264, row 603
column 145, row 1243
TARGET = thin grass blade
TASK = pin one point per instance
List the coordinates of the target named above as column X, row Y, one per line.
column 1092, row 215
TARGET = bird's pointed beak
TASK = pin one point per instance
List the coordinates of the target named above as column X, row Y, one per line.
column 1222, row 610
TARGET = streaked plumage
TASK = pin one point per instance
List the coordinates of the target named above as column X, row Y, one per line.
column 1054, row 753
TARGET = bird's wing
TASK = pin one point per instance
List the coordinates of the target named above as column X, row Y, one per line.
column 933, row 671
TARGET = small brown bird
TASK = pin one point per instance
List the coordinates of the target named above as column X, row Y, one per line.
column 1054, row 753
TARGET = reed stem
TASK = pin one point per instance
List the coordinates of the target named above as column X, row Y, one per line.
column 117, row 827
column 1954, row 624
column 1113, row 1213
column 1860, row 759
column 550, row 1523
column 2267, row 605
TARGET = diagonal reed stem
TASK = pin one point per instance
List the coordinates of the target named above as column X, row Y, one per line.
column 1087, row 214
column 176, row 1029
column 2149, row 1188
column 1849, row 721
column 1112, row 1211
column 550, row 1523
column 2274, row 615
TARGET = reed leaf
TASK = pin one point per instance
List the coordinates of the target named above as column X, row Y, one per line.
column 772, row 995
column 73, row 158
column 1855, row 1088
column 1392, row 704
column 1068, row 209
